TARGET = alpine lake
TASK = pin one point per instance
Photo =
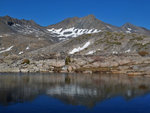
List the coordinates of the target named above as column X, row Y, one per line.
column 73, row 93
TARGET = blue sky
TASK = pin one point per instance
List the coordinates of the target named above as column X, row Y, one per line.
column 46, row 12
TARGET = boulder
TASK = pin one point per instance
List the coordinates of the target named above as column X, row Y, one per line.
column 69, row 69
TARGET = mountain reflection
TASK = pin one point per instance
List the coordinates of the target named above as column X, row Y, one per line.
column 75, row 89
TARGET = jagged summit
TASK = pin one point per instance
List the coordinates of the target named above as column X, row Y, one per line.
column 127, row 25
column 10, row 21
column 91, row 16
column 130, row 28
column 87, row 22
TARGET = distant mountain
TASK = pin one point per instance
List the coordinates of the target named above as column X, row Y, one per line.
column 129, row 28
column 73, row 27
column 22, row 26
column 23, row 36
column 87, row 22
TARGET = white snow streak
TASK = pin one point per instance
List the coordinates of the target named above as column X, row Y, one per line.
column 79, row 48
column 27, row 48
column 62, row 38
column 129, row 29
column 127, row 51
column 91, row 52
column 8, row 49
column 115, row 52
column 21, row 52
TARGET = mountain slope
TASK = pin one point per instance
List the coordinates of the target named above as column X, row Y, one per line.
column 86, row 35
column 87, row 22
column 129, row 28
column 22, row 36
column 74, row 27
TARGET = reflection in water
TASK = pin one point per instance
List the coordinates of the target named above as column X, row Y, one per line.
column 73, row 89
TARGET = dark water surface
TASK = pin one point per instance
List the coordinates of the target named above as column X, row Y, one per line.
column 73, row 93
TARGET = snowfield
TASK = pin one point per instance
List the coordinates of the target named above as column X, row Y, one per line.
column 71, row 32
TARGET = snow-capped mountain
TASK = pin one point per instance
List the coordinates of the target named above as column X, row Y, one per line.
column 68, row 28
column 71, row 36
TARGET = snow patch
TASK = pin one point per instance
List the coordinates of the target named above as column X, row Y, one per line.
column 21, row 52
column 17, row 24
column 129, row 29
column 62, row 38
column 109, row 27
column 1, row 36
column 71, row 32
column 8, row 49
column 27, row 48
column 115, row 52
column 90, row 52
column 80, row 48
column 127, row 51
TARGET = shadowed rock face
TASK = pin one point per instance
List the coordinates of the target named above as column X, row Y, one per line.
column 73, row 89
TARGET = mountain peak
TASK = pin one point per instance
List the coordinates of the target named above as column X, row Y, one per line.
column 90, row 16
column 128, row 25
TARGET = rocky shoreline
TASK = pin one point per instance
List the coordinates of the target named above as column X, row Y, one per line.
column 115, row 64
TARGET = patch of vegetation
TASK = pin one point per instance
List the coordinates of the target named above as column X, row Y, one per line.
column 137, row 44
column 143, row 53
column 26, row 61
column 133, row 35
column 5, row 54
column 141, row 46
column 137, row 38
column 99, row 41
column 108, row 33
column 57, row 69
column 67, row 60
column 114, row 43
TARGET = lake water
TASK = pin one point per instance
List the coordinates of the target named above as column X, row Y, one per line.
column 73, row 93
